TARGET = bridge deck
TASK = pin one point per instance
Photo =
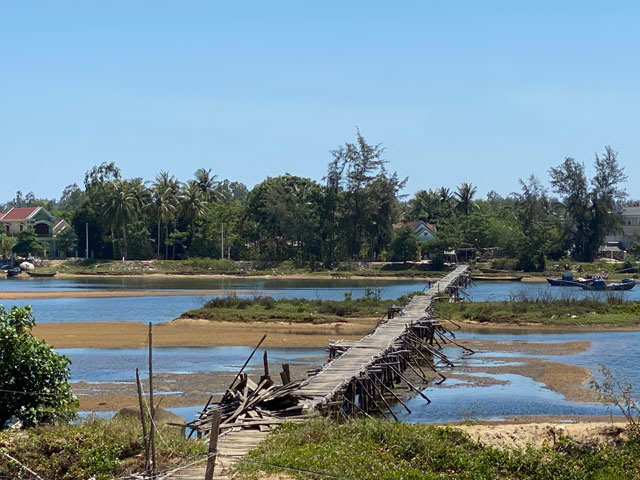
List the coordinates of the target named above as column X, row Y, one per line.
column 336, row 374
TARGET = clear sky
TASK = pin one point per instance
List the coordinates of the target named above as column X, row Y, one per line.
column 477, row 91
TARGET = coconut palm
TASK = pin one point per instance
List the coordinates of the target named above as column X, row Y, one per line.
column 207, row 184
column 120, row 206
column 465, row 194
column 165, row 192
column 193, row 203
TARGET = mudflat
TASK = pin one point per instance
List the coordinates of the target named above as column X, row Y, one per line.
column 199, row 333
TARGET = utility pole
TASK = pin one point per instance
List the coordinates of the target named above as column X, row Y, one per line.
column 86, row 240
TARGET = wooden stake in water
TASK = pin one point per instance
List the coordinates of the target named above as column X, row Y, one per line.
column 154, row 469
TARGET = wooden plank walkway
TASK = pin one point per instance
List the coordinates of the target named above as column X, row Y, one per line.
column 337, row 374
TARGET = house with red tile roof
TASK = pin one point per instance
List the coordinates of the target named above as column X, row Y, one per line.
column 38, row 219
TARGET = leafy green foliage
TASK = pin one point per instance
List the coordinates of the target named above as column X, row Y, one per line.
column 590, row 213
column 404, row 246
column 262, row 308
column 96, row 448
column 34, row 379
column 377, row 449
column 547, row 310
column 66, row 242
column 27, row 244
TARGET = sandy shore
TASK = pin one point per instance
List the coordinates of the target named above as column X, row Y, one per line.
column 198, row 333
column 520, row 435
column 34, row 295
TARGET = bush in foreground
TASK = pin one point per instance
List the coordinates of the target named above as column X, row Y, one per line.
column 34, row 379
column 377, row 449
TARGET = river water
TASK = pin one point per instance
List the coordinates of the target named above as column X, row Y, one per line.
column 159, row 309
column 454, row 400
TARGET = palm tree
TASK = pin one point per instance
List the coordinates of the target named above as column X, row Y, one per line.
column 193, row 203
column 465, row 194
column 444, row 195
column 165, row 192
column 207, row 183
column 121, row 205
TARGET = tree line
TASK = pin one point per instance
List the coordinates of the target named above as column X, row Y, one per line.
column 347, row 216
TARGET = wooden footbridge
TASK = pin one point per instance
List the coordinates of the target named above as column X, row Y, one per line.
column 358, row 374
column 358, row 379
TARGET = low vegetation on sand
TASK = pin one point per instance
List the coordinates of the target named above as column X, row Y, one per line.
column 376, row 449
column 96, row 448
column 215, row 266
column 611, row 311
column 295, row 310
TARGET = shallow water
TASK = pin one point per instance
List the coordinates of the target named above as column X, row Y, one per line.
column 455, row 401
column 498, row 291
column 119, row 364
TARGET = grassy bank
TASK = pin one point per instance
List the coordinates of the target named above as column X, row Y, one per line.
column 294, row 310
column 99, row 449
column 547, row 311
column 213, row 266
column 374, row 449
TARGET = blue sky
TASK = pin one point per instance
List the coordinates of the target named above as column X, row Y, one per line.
column 485, row 92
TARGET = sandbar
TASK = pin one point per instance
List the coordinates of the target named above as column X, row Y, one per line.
column 199, row 333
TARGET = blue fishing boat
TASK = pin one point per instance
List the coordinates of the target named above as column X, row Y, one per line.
column 568, row 281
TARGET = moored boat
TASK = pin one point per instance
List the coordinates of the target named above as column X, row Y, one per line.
column 41, row 275
column 567, row 280
column 486, row 278
column 601, row 285
column 12, row 272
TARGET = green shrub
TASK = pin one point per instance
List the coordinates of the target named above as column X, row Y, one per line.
column 34, row 379
column 378, row 449
column 96, row 448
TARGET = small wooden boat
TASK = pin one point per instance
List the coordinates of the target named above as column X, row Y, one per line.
column 41, row 275
column 12, row 272
column 493, row 270
column 486, row 278
column 602, row 286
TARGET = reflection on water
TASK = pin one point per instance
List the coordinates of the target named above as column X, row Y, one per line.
column 108, row 365
column 518, row 396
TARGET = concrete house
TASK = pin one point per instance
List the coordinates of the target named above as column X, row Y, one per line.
column 38, row 219
column 630, row 224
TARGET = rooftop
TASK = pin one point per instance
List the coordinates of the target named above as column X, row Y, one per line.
column 23, row 213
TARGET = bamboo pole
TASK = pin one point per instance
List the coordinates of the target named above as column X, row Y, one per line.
column 145, row 438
